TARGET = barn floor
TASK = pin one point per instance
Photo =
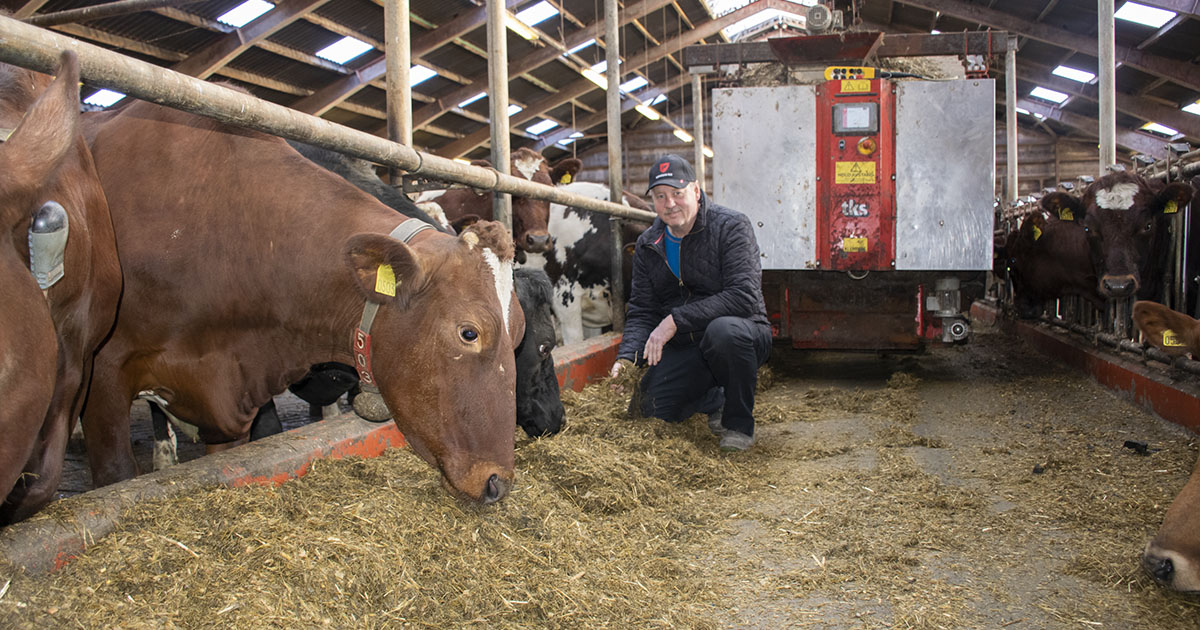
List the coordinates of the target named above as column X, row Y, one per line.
column 979, row 486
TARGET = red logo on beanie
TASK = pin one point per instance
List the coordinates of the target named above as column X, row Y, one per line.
column 662, row 168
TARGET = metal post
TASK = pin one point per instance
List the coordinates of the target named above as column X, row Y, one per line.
column 612, row 53
column 497, row 41
column 1108, row 73
column 698, row 127
column 399, row 60
column 1010, row 119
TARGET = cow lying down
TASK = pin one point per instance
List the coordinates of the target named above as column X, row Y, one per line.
column 1173, row 556
column 239, row 276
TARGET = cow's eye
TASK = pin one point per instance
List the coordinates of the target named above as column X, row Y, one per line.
column 468, row 334
column 543, row 349
column 1149, row 227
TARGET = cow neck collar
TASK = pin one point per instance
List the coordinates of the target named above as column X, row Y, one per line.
column 361, row 345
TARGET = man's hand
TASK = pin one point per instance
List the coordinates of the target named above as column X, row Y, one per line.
column 659, row 338
column 617, row 367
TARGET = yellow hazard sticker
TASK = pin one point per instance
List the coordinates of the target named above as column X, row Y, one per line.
column 854, row 173
column 1171, row 208
column 857, row 244
column 1065, row 214
column 1037, row 232
column 1171, row 339
column 385, row 280
column 855, row 85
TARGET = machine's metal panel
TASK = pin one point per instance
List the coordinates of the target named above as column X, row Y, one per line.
column 764, row 145
column 945, row 174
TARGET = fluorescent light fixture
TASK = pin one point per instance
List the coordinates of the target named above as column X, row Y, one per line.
column 419, row 73
column 1159, row 129
column 580, row 47
column 104, row 98
column 1142, row 14
column 634, row 84
column 1073, row 74
column 344, row 50
column 647, row 111
column 472, row 99
column 245, row 13
column 1048, row 95
column 571, row 138
column 520, row 28
column 595, row 77
column 683, row 135
column 537, row 13
column 541, row 128
column 707, row 152
column 1038, row 116
column 513, row 109
column 1194, row 108
column 600, row 67
column 657, row 99
column 935, row 32
column 1022, row 110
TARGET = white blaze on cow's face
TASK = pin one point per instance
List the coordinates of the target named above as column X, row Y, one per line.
column 1118, row 197
column 503, row 274
column 529, row 166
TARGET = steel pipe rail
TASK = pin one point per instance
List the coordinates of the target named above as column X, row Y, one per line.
column 1128, row 345
column 39, row 49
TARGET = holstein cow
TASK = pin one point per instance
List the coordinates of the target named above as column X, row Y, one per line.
column 60, row 275
column 239, row 277
column 581, row 264
column 1125, row 219
column 1173, row 556
column 463, row 206
column 1048, row 258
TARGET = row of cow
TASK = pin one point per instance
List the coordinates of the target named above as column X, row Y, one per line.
column 207, row 268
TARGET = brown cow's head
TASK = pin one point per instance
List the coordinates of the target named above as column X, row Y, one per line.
column 444, row 362
column 531, row 217
column 1125, row 217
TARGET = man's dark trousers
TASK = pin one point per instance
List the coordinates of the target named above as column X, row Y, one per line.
column 699, row 376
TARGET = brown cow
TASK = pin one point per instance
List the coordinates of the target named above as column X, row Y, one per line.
column 1173, row 556
column 47, row 335
column 530, row 217
column 1047, row 259
column 1125, row 217
column 245, row 263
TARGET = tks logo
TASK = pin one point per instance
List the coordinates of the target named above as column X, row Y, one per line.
column 852, row 208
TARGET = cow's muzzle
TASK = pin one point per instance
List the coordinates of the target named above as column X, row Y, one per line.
column 537, row 242
column 1118, row 286
column 1161, row 568
column 495, row 489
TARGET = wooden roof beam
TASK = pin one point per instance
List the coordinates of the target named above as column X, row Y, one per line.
column 1129, row 139
column 209, row 59
column 601, row 117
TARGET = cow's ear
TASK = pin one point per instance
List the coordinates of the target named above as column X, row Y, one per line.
column 1032, row 226
column 385, row 270
column 565, row 170
column 1172, row 198
column 492, row 235
column 1063, row 206
column 1172, row 331
column 464, row 222
column 481, row 163
column 47, row 132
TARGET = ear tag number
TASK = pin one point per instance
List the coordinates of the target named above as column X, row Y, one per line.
column 1171, row 339
column 1171, row 208
column 385, row 280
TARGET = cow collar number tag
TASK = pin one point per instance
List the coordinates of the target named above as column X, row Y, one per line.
column 1171, row 339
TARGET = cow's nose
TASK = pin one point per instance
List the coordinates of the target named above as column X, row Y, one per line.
column 495, row 489
column 537, row 242
column 1119, row 286
column 1159, row 568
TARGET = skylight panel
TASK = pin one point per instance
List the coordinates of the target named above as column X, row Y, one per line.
column 581, row 47
column 541, row 128
column 472, row 99
column 571, row 138
column 104, row 98
column 1164, row 130
column 344, row 50
column 635, row 83
column 1074, row 74
column 1194, row 108
column 657, row 99
column 419, row 73
column 1142, row 14
column 600, row 67
column 1022, row 110
column 539, row 12
column 514, row 109
column 245, row 13
column 1049, row 95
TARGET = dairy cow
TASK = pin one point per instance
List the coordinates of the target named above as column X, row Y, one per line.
column 238, row 278
column 1046, row 259
column 60, row 275
column 581, row 264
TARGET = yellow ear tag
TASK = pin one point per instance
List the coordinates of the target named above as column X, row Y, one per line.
column 1171, row 339
column 1065, row 214
column 1171, row 208
column 385, row 280
column 1037, row 232
column 565, row 179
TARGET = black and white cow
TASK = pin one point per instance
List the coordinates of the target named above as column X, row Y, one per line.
column 580, row 266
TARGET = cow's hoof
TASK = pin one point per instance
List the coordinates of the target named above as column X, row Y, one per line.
column 370, row 406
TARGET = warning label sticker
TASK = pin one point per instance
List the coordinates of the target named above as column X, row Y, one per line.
column 856, row 86
column 854, row 173
column 857, row 244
